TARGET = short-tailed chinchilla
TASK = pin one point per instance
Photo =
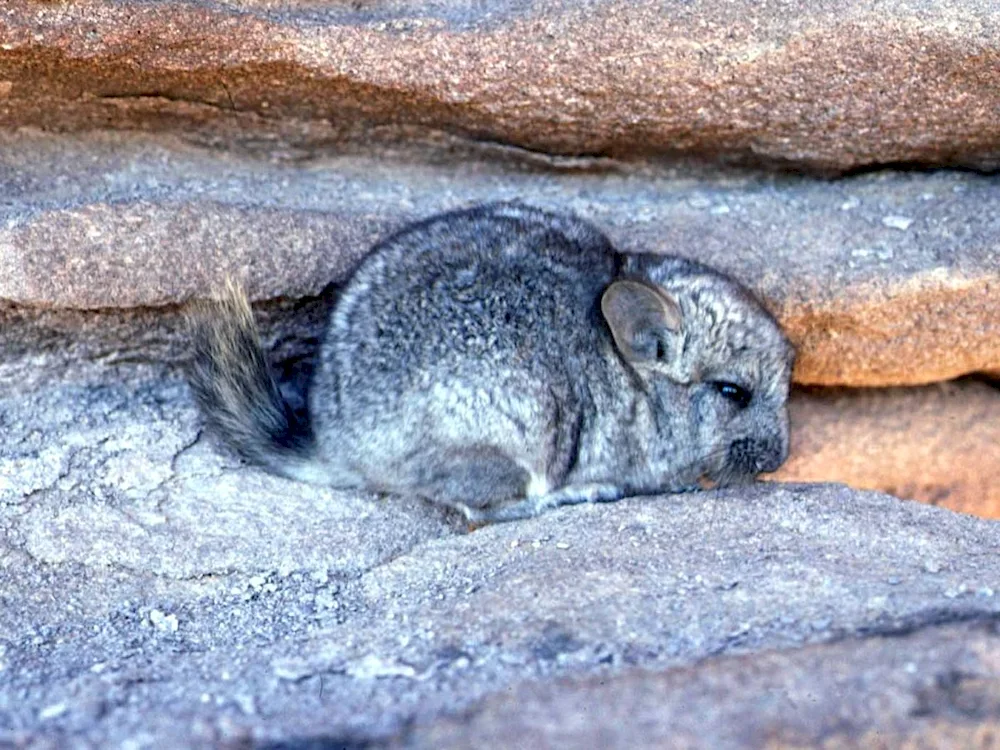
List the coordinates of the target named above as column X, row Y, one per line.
column 504, row 359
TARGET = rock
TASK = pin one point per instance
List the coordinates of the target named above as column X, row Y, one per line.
column 833, row 88
column 732, row 598
column 154, row 591
column 118, row 475
column 936, row 688
column 42, row 348
column 115, row 223
column 939, row 444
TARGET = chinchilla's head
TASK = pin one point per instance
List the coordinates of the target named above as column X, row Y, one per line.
column 715, row 363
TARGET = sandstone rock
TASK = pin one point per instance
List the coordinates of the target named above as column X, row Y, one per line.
column 831, row 88
column 937, row 688
column 109, row 223
column 939, row 444
column 723, row 587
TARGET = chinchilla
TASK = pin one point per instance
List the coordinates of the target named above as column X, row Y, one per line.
column 505, row 359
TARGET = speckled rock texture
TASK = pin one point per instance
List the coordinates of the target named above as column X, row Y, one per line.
column 827, row 86
column 937, row 688
column 882, row 279
column 155, row 593
column 938, row 444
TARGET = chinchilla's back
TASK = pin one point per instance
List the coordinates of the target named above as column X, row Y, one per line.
column 497, row 292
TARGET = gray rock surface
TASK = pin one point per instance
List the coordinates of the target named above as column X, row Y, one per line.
column 155, row 593
column 117, row 475
column 923, row 685
column 882, row 279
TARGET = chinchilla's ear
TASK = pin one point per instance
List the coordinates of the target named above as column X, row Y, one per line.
column 645, row 321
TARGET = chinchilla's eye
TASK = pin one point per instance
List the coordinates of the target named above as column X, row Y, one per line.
column 661, row 350
column 736, row 393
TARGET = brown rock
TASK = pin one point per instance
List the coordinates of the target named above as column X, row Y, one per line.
column 832, row 88
column 937, row 688
column 939, row 444
column 880, row 280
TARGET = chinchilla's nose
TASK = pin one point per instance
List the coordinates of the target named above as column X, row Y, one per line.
column 752, row 456
column 771, row 454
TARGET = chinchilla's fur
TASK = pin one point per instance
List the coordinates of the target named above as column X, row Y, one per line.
column 504, row 359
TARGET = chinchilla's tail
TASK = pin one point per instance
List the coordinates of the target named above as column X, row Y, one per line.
column 237, row 393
